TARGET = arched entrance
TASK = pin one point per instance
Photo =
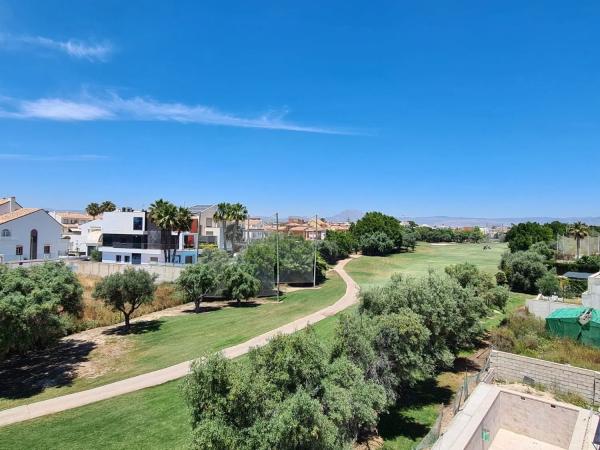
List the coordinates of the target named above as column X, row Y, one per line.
column 33, row 243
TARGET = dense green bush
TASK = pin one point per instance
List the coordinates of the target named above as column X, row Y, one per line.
column 523, row 235
column 497, row 297
column 35, row 305
column 523, row 269
column 337, row 245
column 590, row 264
column 548, row 284
column 377, row 243
column 469, row 276
column 287, row 395
column 451, row 313
column 428, row 234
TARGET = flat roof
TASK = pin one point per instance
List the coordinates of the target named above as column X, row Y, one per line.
column 578, row 275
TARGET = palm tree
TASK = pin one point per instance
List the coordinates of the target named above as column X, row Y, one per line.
column 93, row 209
column 223, row 214
column 183, row 222
column 164, row 216
column 107, row 206
column 238, row 213
column 579, row 231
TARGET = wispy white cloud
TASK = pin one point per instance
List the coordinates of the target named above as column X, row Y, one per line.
column 50, row 158
column 115, row 107
column 72, row 47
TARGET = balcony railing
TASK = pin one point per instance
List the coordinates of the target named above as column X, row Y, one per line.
column 139, row 245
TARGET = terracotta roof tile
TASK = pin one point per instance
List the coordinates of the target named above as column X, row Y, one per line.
column 17, row 214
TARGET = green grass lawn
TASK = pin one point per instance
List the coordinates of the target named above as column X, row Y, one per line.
column 172, row 340
column 375, row 270
column 154, row 418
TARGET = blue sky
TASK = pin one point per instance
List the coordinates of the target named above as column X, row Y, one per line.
column 414, row 108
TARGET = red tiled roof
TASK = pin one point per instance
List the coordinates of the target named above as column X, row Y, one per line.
column 17, row 214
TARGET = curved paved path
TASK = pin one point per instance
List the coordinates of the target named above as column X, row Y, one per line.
column 54, row 405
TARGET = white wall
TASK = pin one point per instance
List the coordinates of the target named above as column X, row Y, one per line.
column 591, row 297
column 110, row 255
column 49, row 233
column 118, row 222
column 9, row 206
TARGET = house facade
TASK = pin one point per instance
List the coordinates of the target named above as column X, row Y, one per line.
column 130, row 237
column 28, row 233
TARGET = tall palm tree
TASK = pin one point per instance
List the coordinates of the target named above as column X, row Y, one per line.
column 238, row 213
column 107, row 206
column 223, row 214
column 579, row 231
column 183, row 222
column 93, row 209
column 164, row 216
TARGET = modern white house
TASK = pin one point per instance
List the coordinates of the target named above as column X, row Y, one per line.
column 28, row 233
column 130, row 237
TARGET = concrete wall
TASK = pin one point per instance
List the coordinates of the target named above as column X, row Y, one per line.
column 543, row 308
column 119, row 222
column 549, row 422
column 591, row 297
column 165, row 273
column 559, row 377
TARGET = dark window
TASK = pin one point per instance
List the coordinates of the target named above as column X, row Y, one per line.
column 118, row 258
column 6, row 233
column 19, row 251
column 46, row 249
column 189, row 259
column 138, row 223
column 127, row 258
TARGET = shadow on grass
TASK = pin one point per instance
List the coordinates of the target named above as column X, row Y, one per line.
column 235, row 304
column 30, row 374
column 400, row 421
column 141, row 327
column 203, row 309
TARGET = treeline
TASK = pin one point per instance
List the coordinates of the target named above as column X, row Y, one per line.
column 435, row 235
column 300, row 392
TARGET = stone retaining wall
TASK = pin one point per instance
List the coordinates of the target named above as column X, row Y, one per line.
column 557, row 377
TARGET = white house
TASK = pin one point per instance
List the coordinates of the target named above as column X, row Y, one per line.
column 28, row 233
column 209, row 230
column 129, row 237
column 86, row 238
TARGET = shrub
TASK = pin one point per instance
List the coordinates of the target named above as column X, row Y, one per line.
column 96, row 255
column 35, row 305
column 376, row 222
column 497, row 297
column 501, row 279
column 469, row 276
column 377, row 243
column 503, row 339
column 548, row 284
column 523, row 270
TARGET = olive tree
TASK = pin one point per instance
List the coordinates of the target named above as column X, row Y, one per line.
column 240, row 284
column 195, row 282
column 126, row 291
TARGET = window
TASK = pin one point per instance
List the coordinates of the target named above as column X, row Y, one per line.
column 19, row 250
column 6, row 233
column 118, row 258
column 209, row 222
column 138, row 222
column 154, row 259
column 46, row 249
column 189, row 259
column 209, row 233
column 127, row 258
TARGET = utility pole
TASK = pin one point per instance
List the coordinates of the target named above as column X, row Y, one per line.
column 277, row 250
column 315, row 261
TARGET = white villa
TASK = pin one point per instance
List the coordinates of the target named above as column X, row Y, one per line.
column 28, row 233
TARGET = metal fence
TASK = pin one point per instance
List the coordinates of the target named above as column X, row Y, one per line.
column 461, row 396
column 567, row 246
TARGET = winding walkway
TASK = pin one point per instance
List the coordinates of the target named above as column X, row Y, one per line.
column 157, row 377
